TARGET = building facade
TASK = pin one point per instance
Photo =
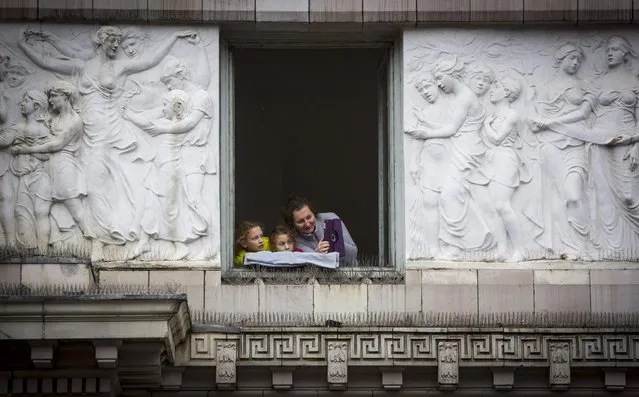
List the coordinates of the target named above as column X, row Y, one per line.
column 482, row 153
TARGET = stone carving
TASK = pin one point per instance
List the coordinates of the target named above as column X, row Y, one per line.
column 448, row 364
column 337, row 369
column 225, row 362
column 86, row 166
column 521, row 147
column 559, row 363
column 415, row 348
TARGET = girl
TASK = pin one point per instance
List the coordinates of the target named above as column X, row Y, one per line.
column 282, row 239
column 249, row 238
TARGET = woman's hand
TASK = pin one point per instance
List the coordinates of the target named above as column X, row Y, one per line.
column 417, row 134
column 323, row 247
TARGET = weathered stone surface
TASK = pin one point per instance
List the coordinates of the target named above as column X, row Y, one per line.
column 181, row 281
column 605, row 11
column 175, row 10
column 340, row 298
column 282, row 10
column 336, row 11
column 505, row 291
column 614, row 291
column 550, row 11
column 390, row 11
column 65, row 10
column 510, row 11
column 120, row 10
column 18, row 9
column 449, row 291
column 562, row 291
column 229, row 10
column 286, row 298
column 443, row 11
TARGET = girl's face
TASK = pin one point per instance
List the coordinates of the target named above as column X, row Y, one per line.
column 615, row 53
column 254, row 240
column 498, row 93
column 428, row 90
column 131, row 47
column 284, row 242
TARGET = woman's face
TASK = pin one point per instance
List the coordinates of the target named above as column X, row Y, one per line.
column 131, row 47
column 444, row 82
column 27, row 106
column 254, row 240
column 615, row 54
column 15, row 78
column 480, row 83
column 173, row 83
column 497, row 93
column 304, row 220
column 428, row 90
column 110, row 45
column 570, row 64
column 57, row 100
column 283, row 242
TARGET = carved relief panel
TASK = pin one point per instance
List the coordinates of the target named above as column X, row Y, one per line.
column 521, row 145
column 109, row 141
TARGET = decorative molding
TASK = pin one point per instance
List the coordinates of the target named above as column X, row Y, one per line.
column 42, row 354
column 392, row 378
column 448, row 365
column 559, row 358
column 106, row 353
column 503, row 378
column 225, row 364
column 282, row 378
column 337, row 359
column 615, row 379
column 419, row 346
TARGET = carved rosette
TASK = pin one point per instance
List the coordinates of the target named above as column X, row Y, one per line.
column 225, row 363
column 559, row 357
column 337, row 358
column 448, row 364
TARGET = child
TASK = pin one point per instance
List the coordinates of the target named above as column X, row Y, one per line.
column 249, row 238
column 282, row 239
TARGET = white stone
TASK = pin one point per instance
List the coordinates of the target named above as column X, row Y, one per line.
column 50, row 274
column 562, row 277
column 109, row 173
column 340, row 298
column 518, row 146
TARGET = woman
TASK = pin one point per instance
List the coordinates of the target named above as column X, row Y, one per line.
column 562, row 128
column 169, row 213
column 427, row 171
column 34, row 194
column 503, row 169
column 114, row 199
column 614, row 167
column 461, row 228
column 309, row 225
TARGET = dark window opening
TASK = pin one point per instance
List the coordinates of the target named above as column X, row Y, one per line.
column 306, row 123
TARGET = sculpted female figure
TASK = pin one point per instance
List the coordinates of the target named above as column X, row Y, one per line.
column 503, row 169
column 34, row 194
column 62, row 146
column 111, row 197
column 564, row 105
column 428, row 164
column 614, row 167
column 198, row 158
column 7, row 135
column 462, row 227
column 169, row 213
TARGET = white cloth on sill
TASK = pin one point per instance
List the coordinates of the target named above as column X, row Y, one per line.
column 292, row 259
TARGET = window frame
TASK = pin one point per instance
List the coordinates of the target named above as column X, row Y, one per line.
column 390, row 197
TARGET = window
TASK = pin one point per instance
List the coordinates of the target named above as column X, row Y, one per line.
column 312, row 119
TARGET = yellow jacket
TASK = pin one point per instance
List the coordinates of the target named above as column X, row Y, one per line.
column 239, row 257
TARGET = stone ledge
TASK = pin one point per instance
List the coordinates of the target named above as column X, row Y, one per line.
column 529, row 265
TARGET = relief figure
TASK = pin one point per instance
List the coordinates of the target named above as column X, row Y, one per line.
column 198, row 158
column 34, row 194
column 615, row 172
column 461, row 227
column 114, row 200
column 503, row 169
column 62, row 145
column 7, row 181
column 169, row 213
column 564, row 106
column 428, row 161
